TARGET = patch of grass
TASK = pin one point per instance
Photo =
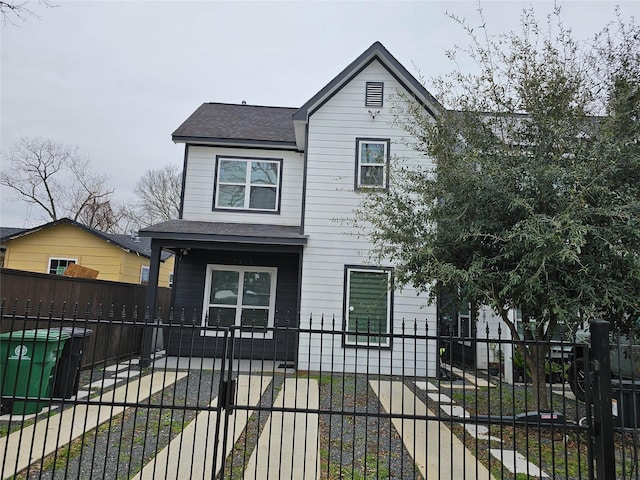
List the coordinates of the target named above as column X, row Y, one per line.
column 559, row 451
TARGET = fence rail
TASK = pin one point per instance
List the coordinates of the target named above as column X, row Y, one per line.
column 241, row 414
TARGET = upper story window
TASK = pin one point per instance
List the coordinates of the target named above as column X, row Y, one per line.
column 372, row 163
column 374, row 94
column 248, row 184
column 57, row 266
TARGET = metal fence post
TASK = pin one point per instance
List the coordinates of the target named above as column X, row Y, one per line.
column 604, row 455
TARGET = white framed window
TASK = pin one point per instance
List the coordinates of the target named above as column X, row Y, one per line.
column 144, row 275
column 57, row 266
column 248, row 184
column 368, row 300
column 240, row 296
column 372, row 163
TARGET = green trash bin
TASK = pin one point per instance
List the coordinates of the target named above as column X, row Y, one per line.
column 27, row 360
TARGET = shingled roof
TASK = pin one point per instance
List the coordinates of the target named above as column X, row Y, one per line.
column 226, row 232
column 238, row 124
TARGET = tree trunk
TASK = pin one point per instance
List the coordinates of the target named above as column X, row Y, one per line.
column 536, row 361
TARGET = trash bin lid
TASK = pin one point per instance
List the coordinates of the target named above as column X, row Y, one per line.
column 77, row 331
column 39, row 335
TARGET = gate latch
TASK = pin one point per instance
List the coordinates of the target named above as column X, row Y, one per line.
column 227, row 394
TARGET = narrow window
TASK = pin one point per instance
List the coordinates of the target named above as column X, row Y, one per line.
column 242, row 297
column 372, row 160
column 247, row 184
column 368, row 306
column 144, row 275
column 374, row 95
column 57, row 266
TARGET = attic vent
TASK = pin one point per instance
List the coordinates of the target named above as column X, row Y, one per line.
column 374, row 94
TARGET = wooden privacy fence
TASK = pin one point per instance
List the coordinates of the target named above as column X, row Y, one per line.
column 36, row 300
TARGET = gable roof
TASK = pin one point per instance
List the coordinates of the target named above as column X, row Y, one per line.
column 137, row 245
column 233, row 124
column 378, row 52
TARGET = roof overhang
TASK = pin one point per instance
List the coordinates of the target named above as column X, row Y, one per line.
column 242, row 143
column 230, row 233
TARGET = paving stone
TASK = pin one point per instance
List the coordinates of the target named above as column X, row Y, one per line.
column 454, row 410
column 516, row 463
column 102, row 383
column 439, row 397
column 426, row 386
column 481, row 432
column 116, row 368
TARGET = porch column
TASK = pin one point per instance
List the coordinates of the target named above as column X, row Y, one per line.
column 146, row 348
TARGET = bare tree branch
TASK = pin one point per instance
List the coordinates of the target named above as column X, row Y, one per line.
column 157, row 196
column 12, row 11
column 58, row 179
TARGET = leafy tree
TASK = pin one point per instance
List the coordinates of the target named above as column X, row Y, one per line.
column 532, row 196
column 58, row 179
column 157, row 196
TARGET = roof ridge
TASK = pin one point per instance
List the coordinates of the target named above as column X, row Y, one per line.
column 250, row 105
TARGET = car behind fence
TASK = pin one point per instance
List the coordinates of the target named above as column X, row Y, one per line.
column 243, row 413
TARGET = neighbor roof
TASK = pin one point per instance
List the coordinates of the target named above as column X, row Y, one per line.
column 139, row 245
column 225, row 123
column 8, row 231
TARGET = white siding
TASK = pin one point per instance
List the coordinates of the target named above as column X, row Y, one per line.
column 199, row 187
column 330, row 197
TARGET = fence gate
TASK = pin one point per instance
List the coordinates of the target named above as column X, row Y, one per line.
column 348, row 416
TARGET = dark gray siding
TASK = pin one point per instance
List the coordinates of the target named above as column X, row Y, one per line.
column 189, row 294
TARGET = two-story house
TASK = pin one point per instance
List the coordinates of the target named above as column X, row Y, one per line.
column 264, row 240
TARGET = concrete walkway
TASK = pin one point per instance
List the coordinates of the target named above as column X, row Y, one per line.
column 435, row 449
column 289, row 443
column 34, row 442
column 190, row 454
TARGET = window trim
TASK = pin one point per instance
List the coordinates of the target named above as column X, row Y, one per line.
column 385, row 166
column 345, row 315
column 67, row 259
column 247, row 332
column 368, row 103
column 218, row 160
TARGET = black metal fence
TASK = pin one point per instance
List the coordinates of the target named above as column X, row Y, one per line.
column 185, row 416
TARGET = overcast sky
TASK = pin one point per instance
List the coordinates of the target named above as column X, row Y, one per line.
column 116, row 78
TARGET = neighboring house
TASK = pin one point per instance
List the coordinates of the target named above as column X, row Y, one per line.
column 4, row 233
column 260, row 240
column 52, row 247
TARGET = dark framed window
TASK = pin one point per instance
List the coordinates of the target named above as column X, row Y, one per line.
column 248, row 184
column 374, row 94
column 57, row 266
column 368, row 301
column 240, row 296
column 372, row 162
